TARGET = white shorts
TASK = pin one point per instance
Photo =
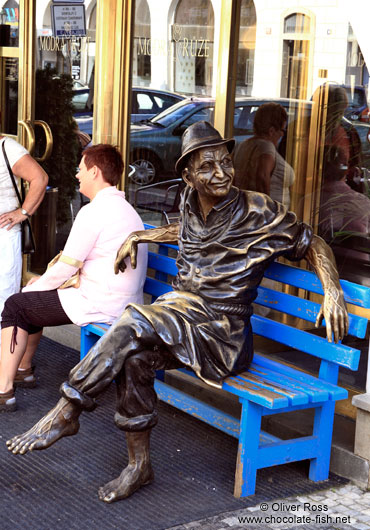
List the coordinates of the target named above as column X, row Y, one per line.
column 10, row 264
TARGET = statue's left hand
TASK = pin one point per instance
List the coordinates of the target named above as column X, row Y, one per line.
column 333, row 309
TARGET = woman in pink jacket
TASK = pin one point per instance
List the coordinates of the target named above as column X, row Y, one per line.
column 96, row 235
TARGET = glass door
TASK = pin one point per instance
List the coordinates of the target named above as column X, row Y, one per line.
column 63, row 58
column 47, row 96
column 17, row 40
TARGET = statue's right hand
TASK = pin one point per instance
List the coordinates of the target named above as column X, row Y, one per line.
column 128, row 248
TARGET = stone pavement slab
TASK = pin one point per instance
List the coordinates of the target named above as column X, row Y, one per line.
column 342, row 508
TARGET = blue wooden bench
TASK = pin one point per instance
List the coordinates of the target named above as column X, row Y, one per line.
column 270, row 387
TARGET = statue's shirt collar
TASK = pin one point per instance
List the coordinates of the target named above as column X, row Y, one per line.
column 193, row 206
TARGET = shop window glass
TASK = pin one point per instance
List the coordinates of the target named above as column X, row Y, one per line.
column 9, row 94
column 9, row 21
column 141, row 69
column 192, row 36
column 313, row 65
column 173, row 68
column 247, row 43
column 9, row 65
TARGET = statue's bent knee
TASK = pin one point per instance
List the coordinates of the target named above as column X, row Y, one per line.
column 76, row 397
column 137, row 423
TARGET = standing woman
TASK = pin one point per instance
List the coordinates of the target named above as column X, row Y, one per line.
column 12, row 214
column 258, row 165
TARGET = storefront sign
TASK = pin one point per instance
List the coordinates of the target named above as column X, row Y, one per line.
column 56, row 44
column 68, row 20
column 186, row 47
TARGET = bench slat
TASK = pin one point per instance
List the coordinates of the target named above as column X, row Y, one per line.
column 353, row 293
column 242, row 383
column 255, row 392
column 162, row 263
column 156, row 287
column 98, row 329
column 305, row 309
column 313, row 393
column 335, row 392
column 317, row 389
column 306, row 342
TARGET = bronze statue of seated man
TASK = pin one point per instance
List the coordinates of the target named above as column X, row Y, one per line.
column 227, row 238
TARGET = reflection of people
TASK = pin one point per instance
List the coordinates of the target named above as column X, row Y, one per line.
column 84, row 140
column 258, row 165
column 339, row 132
column 11, row 214
column 91, row 247
column 90, row 99
column 343, row 210
column 227, row 237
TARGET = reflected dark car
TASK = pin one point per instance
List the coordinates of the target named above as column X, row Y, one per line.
column 357, row 109
column 156, row 144
column 146, row 102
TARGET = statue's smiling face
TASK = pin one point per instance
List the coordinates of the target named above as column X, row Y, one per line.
column 211, row 172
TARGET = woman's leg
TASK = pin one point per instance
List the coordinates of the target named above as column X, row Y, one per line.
column 10, row 265
column 9, row 362
column 32, row 344
column 24, row 316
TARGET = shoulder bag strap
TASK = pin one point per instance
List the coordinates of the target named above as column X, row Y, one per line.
column 11, row 175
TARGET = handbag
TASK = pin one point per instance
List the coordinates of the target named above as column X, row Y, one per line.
column 74, row 280
column 28, row 240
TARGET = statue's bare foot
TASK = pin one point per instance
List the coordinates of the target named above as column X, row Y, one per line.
column 60, row 421
column 130, row 480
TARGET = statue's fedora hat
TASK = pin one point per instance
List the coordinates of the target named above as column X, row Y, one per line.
column 198, row 135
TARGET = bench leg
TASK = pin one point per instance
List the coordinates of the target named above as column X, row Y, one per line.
column 323, row 429
column 246, row 466
column 87, row 341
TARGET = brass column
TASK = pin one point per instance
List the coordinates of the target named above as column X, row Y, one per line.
column 112, row 85
column 26, row 71
column 226, row 66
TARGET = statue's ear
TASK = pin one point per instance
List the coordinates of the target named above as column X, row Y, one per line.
column 186, row 177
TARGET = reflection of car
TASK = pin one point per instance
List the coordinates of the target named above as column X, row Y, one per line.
column 146, row 102
column 156, row 145
column 80, row 95
column 357, row 109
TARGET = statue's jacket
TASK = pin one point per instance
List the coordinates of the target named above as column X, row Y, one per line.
column 205, row 321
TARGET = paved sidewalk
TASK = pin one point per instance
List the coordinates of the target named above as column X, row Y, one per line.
column 346, row 507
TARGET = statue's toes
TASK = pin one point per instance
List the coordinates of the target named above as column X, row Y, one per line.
column 106, row 494
column 26, row 446
column 11, row 443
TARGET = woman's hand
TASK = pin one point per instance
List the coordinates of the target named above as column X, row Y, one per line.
column 10, row 219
